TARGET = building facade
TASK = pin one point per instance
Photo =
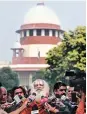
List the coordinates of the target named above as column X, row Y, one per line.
column 40, row 32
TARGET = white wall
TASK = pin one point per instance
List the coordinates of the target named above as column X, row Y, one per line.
column 32, row 50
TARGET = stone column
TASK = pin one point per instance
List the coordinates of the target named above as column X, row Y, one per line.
column 30, row 79
column 27, row 32
column 42, row 32
column 50, row 32
column 34, row 32
column 56, row 33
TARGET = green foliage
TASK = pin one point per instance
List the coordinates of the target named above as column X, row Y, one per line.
column 8, row 78
column 69, row 54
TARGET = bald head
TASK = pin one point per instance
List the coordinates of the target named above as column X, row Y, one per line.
column 3, row 95
column 3, row 88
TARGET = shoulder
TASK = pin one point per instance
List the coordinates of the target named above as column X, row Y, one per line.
column 2, row 111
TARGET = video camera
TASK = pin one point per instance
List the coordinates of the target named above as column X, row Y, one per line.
column 76, row 78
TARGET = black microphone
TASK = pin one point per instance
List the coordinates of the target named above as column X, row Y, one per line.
column 35, row 109
column 44, row 101
column 51, row 98
column 67, row 102
column 48, row 99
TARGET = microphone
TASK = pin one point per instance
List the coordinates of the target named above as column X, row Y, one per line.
column 51, row 98
column 63, row 98
column 67, row 102
column 32, row 97
column 17, row 99
column 43, row 100
column 12, row 103
column 35, row 109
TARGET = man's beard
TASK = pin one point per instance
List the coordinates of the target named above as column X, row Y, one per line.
column 59, row 96
column 39, row 94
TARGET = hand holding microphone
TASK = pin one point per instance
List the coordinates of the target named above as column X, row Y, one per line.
column 6, row 105
column 45, row 101
column 31, row 98
column 16, row 101
column 48, row 107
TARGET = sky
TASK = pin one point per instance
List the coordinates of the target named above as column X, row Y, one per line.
column 70, row 13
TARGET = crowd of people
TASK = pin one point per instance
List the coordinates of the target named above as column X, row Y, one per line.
column 38, row 99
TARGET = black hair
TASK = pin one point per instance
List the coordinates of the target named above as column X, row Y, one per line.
column 18, row 87
column 57, row 85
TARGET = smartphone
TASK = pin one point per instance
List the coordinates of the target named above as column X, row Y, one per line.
column 74, row 98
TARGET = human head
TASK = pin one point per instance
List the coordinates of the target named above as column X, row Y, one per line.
column 59, row 89
column 3, row 95
column 69, row 92
column 38, row 85
column 41, row 88
column 20, row 91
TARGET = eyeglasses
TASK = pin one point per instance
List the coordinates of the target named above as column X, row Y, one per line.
column 63, row 90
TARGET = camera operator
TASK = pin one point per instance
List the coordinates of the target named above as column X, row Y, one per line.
column 77, row 79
